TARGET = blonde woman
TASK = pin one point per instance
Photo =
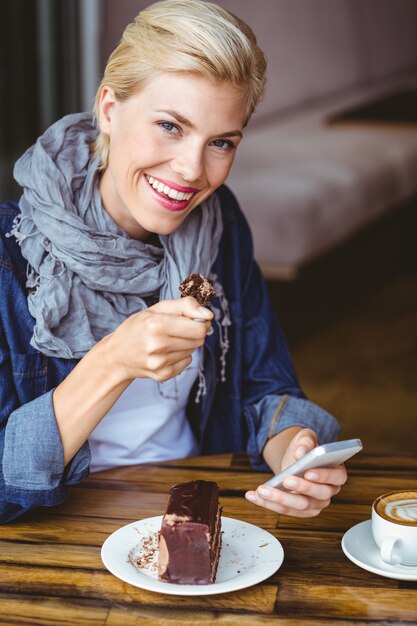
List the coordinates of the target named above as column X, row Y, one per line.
column 101, row 363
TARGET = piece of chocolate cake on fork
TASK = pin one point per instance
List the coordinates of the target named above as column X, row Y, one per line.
column 190, row 535
column 199, row 287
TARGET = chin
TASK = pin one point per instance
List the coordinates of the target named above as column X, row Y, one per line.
column 167, row 226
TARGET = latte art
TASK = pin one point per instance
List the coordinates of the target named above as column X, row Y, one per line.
column 402, row 510
column 399, row 507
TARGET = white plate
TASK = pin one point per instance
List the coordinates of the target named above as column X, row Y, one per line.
column 359, row 546
column 249, row 555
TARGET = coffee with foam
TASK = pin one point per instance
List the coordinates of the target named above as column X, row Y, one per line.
column 399, row 507
column 394, row 527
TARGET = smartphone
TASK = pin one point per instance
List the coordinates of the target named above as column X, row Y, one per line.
column 327, row 455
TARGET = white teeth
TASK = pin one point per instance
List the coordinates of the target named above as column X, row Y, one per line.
column 175, row 195
column 171, row 193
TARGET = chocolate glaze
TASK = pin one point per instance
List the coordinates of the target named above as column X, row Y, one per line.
column 196, row 500
column 190, row 537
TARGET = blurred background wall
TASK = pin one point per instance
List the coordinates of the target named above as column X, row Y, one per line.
column 50, row 63
column 313, row 47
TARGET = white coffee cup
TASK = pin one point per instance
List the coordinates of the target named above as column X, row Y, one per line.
column 394, row 526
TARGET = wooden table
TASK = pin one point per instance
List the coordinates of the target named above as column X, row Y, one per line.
column 51, row 571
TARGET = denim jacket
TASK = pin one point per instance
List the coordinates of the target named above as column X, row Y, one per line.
column 259, row 398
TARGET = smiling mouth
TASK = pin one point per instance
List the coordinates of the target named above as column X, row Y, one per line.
column 169, row 192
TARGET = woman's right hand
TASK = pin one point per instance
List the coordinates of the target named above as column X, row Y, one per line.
column 158, row 342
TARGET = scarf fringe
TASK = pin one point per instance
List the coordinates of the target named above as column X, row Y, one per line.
column 222, row 319
column 15, row 232
column 202, row 386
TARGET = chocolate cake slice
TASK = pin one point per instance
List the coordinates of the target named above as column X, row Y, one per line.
column 190, row 536
column 199, row 287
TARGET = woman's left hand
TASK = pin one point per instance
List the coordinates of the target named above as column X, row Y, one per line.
column 305, row 496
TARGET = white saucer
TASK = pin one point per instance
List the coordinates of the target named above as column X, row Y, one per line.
column 359, row 546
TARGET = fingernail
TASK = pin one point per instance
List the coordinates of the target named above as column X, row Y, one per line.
column 301, row 451
column 291, row 483
column 210, row 331
column 264, row 491
column 250, row 496
column 312, row 476
column 203, row 311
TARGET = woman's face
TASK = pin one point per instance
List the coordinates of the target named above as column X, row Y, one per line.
column 171, row 145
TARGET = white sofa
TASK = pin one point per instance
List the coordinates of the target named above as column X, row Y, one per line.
column 306, row 186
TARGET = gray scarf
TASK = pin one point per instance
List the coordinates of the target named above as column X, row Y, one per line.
column 85, row 274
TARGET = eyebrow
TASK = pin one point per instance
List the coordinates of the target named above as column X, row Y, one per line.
column 183, row 120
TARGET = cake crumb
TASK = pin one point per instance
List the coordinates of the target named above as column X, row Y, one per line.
column 144, row 555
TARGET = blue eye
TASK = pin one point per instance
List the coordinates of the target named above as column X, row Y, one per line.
column 168, row 126
column 223, row 144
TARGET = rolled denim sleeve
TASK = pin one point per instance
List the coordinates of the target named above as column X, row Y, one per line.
column 33, row 457
column 274, row 413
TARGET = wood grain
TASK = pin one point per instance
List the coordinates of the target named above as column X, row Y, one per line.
column 56, row 529
column 162, row 617
column 347, row 602
column 51, row 570
column 51, row 611
column 58, row 581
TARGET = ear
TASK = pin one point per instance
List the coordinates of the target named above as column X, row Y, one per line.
column 107, row 104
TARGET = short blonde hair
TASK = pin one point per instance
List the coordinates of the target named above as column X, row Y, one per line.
column 183, row 36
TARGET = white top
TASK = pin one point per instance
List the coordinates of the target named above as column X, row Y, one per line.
column 147, row 423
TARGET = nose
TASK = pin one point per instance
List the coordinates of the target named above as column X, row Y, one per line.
column 189, row 162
